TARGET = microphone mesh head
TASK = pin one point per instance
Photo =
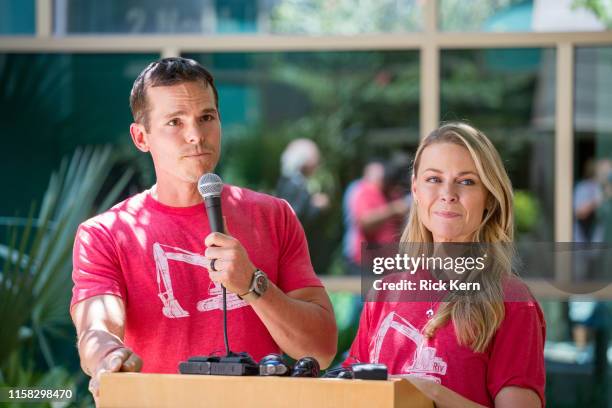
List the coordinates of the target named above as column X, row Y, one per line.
column 210, row 185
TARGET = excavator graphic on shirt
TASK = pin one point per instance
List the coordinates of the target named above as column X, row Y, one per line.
column 424, row 363
column 171, row 306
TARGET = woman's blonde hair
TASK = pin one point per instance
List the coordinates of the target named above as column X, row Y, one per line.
column 477, row 317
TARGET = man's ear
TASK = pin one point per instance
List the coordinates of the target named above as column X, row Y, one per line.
column 139, row 136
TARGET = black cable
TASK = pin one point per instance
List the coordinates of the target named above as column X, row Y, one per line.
column 228, row 353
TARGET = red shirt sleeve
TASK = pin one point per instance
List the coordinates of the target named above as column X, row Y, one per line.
column 96, row 269
column 517, row 352
column 295, row 268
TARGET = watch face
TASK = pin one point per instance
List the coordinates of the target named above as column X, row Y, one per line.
column 261, row 283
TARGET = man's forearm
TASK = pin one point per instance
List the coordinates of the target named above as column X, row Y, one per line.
column 94, row 345
column 376, row 218
column 299, row 327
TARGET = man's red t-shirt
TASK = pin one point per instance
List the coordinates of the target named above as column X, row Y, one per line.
column 151, row 256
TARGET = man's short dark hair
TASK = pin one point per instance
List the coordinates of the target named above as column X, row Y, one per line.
column 166, row 72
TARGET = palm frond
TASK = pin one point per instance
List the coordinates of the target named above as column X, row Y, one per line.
column 35, row 280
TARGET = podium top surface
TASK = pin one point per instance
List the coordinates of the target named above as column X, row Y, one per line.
column 173, row 390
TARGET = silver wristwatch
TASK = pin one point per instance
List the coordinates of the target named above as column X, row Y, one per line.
column 259, row 285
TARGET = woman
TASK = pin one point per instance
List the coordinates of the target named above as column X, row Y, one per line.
column 470, row 351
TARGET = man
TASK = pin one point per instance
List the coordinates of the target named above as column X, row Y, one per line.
column 147, row 273
column 375, row 207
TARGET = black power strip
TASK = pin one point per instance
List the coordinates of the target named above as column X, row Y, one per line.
column 235, row 365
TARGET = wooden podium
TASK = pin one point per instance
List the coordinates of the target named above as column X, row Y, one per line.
column 176, row 390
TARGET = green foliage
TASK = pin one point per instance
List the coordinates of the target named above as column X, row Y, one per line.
column 526, row 211
column 601, row 8
column 35, row 280
column 347, row 310
column 345, row 17
column 351, row 95
column 461, row 15
column 245, row 160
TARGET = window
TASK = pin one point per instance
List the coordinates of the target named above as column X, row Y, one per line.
column 302, row 17
column 17, row 17
column 509, row 94
column 523, row 15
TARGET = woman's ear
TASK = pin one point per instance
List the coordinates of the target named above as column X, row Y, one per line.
column 413, row 187
column 139, row 137
column 490, row 205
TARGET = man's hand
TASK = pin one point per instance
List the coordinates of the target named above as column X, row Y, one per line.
column 100, row 322
column 121, row 359
column 232, row 266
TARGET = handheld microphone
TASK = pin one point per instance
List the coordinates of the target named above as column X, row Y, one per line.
column 210, row 187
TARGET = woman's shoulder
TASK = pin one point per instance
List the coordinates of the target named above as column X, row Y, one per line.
column 516, row 290
column 519, row 301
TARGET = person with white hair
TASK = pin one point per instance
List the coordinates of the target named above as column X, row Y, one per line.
column 299, row 161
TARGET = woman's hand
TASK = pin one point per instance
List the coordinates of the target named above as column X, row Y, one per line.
column 441, row 396
column 444, row 397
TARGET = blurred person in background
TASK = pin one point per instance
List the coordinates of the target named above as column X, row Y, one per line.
column 592, row 214
column 590, row 195
column 375, row 208
column 299, row 161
